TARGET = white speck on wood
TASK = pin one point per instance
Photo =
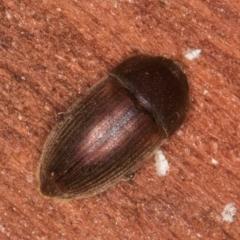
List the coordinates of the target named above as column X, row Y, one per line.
column 2, row 228
column 161, row 163
column 20, row 117
column 214, row 161
column 192, row 54
column 229, row 213
column 205, row 92
column 199, row 235
column 8, row 15
column 29, row 179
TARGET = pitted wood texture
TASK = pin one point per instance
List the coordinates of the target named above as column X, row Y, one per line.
column 52, row 52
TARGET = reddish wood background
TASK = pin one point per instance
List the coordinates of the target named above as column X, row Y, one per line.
column 51, row 52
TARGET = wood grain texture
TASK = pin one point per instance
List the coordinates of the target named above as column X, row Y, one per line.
column 51, row 52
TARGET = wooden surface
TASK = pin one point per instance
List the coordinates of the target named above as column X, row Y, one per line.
column 51, row 52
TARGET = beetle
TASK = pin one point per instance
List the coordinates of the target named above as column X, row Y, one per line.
column 105, row 137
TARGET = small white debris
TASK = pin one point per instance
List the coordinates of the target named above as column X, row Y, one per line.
column 161, row 163
column 205, row 91
column 179, row 132
column 29, row 179
column 23, row 78
column 115, row 4
column 214, row 161
column 20, row 117
column 2, row 228
column 229, row 213
column 192, row 54
column 199, row 235
column 8, row 15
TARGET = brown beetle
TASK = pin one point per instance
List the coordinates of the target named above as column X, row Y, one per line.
column 106, row 136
